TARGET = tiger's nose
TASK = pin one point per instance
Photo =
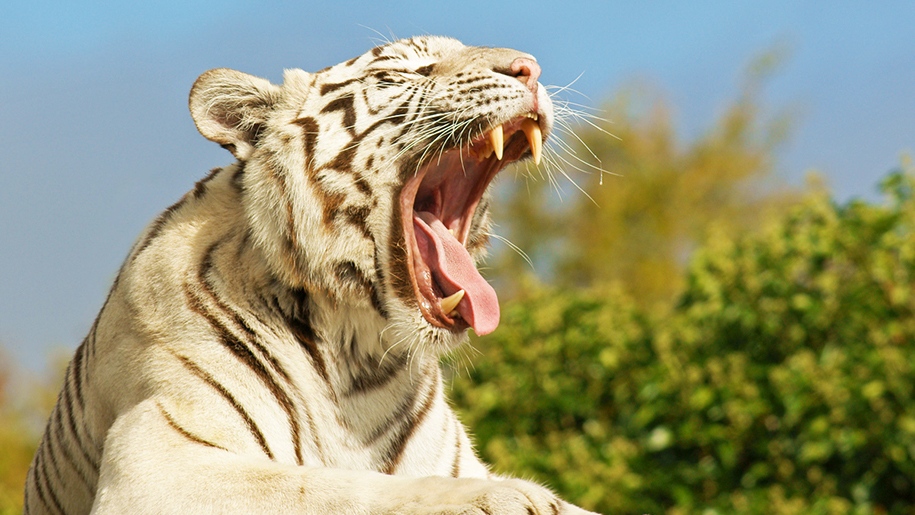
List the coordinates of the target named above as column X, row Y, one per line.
column 527, row 71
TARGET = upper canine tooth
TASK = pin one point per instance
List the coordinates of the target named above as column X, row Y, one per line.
column 450, row 302
column 496, row 139
column 534, row 137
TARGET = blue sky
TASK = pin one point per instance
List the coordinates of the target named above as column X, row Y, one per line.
column 96, row 138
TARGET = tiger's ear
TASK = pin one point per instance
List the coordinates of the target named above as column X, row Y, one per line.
column 232, row 108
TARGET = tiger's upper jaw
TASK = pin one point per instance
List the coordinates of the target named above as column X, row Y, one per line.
column 438, row 206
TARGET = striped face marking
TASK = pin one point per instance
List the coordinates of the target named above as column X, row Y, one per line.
column 398, row 148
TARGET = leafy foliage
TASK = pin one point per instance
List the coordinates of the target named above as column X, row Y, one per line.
column 782, row 382
column 25, row 403
column 16, row 447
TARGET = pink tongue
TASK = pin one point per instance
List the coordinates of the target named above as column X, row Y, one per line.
column 453, row 270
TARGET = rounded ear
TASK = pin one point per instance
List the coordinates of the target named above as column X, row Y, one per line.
column 232, row 108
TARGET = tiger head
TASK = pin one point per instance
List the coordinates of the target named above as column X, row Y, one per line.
column 366, row 182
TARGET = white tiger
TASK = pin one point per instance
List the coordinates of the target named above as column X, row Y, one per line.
column 272, row 342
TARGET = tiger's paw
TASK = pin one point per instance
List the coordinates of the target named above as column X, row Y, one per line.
column 503, row 497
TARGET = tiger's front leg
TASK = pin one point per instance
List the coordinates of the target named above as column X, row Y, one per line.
column 150, row 467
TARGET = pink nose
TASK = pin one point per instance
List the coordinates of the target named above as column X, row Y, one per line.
column 527, row 71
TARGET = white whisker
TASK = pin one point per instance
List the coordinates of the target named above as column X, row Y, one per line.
column 514, row 247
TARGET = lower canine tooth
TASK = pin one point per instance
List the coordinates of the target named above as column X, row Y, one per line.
column 450, row 302
column 534, row 137
column 496, row 139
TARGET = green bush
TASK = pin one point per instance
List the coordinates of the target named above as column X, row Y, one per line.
column 782, row 382
column 17, row 445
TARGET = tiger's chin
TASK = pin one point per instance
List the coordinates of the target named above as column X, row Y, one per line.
column 444, row 234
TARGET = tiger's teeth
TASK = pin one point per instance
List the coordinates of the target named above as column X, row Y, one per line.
column 534, row 137
column 450, row 302
column 496, row 139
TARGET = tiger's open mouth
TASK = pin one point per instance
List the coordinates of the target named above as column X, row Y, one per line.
column 438, row 204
